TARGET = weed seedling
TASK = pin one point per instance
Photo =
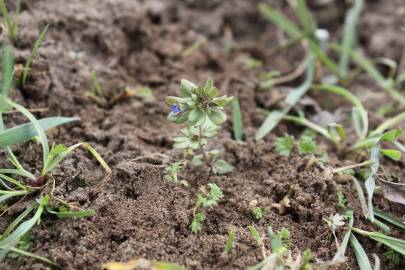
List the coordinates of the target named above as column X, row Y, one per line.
column 171, row 172
column 341, row 200
column 229, row 242
column 394, row 258
column 12, row 24
column 256, row 211
column 284, row 145
column 335, row 221
column 202, row 111
column 205, row 199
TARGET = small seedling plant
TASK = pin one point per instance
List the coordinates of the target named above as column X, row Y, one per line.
column 202, row 111
column 205, row 199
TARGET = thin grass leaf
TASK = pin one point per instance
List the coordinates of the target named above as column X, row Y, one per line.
column 305, row 17
column 27, row 131
column 19, row 168
column 17, row 221
column 72, row 214
column 60, row 152
column 390, row 219
column 237, row 120
column 362, row 259
column 279, row 19
column 390, row 123
column 394, row 243
column 32, row 255
column 10, row 24
column 292, row 98
column 229, row 241
column 255, row 234
column 13, row 181
column 349, row 36
column 305, row 122
column 6, row 76
column 33, row 54
column 38, row 128
column 10, row 240
column 372, row 71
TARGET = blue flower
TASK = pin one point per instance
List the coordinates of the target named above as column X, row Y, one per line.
column 175, row 109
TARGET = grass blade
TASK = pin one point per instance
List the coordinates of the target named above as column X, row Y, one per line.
column 17, row 221
column 8, row 241
column 27, row 131
column 33, row 54
column 361, row 256
column 390, row 219
column 340, row 254
column 292, row 98
column 32, row 255
column 237, row 120
column 349, row 35
column 305, row 17
column 7, row 76
column 372, row 71
column 279, row 19
column 394, row 243
column 72, row 214
column 38, row 128
column 229, row 241
column 11, row 27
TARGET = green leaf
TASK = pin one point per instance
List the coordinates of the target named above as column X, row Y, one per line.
column 392, row 154
column 7, row 76
column 72, row 214
column 394, row 243
column 229, row 242
column 25, row 132
column 178, row 118
column 362, row 260
column 12, row 26
column 284, row 145
column 217, row 116
column 395, row 221
column 196, row 225
column 187, row 87
column 60, row 152
column 32, row 255
column 255, row 234
column 223, row 101
column 222, row 167
column 23, row 228
column 349, row 35
column 196, row 117
column 197, row 161
column 305, row 17
column 391, row 135
column 33, row 54
column 237, row 120
column 279, row 19
column 307, row 146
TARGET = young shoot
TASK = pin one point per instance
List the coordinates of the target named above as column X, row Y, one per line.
column 229, row 242
column 205, row 199
column 171, row 173
column 257, row 212
column 12, row 24
column 202, row 111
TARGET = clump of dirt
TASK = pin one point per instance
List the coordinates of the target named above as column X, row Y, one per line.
column 139, row 214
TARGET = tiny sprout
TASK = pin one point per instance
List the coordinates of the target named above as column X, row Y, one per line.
column 256, row 211
column 202, row 111
column 341, row 200
column 335, row 221
column 205, row 199
column 229, row 241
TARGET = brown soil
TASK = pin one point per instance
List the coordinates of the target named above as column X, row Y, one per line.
column 139, row 214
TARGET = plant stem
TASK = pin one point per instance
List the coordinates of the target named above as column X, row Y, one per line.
column 205, row 156
column 390, row 123
column 365, row 163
